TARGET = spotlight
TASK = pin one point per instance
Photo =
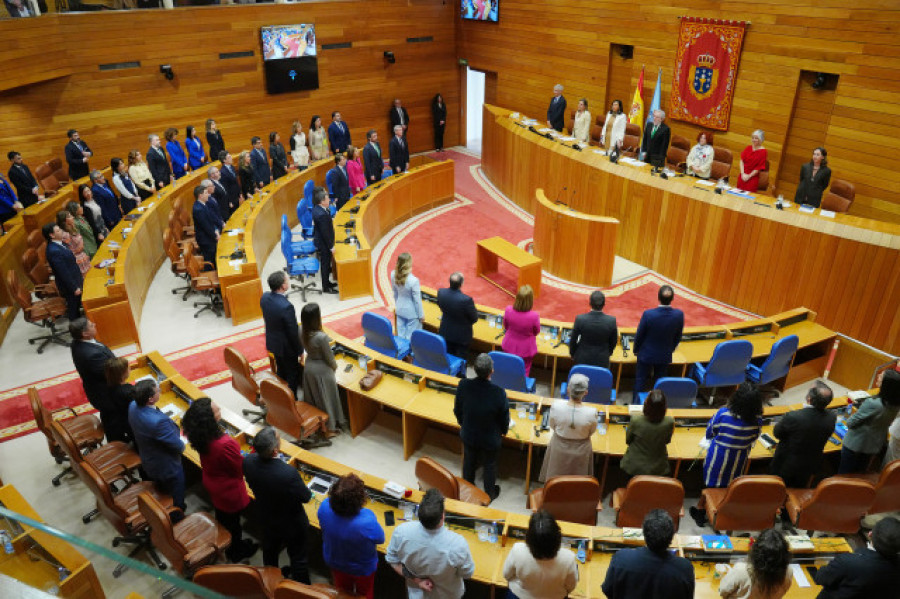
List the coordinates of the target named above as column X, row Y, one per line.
column 389, row 57
column 820, row 81
column 166, row 69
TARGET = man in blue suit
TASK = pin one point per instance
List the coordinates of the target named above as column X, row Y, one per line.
column 458, row 314
column 340, row 181
column 556, row 112
column 282, row 332
column 65, row 269
column 373, row 164
column 259, row 163
column 26, row 185
column 323, row 237
column 207, row 225
column 158, row 440
column 658, row 334
column 399, row 151
column 107, row 199
column 338, row 133
column 9, row 203
column 77, row 155
column 228, row 178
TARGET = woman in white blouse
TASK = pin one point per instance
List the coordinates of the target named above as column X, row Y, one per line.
column 539, row 568
column 699, row 161
column 128, row 191
column 581, row 130
column 569, row 451
column 615, row 124
column 140, row 174
column 299, row 151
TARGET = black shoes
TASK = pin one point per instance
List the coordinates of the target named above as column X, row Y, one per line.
column 698, row 515
column 332, row 290
column 496, row 493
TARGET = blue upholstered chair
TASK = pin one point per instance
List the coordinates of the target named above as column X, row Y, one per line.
column 778, row 364
column 600, row 384
column 509, row 372
column 387, row 172
column 298, row 247
column 329, row 185
column 430, row 351
column 304, row 217
column 380, row 336
column 680, row 392
column 300, row 268
column 727, row 367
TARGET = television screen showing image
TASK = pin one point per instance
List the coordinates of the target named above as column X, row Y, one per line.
column 480, row 10
column 288, row 41
column 289, row 58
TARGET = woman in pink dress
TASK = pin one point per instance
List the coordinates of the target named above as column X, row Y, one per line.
column 522, row 325
column 73, row 240
column 355, row 170
column 753, row 162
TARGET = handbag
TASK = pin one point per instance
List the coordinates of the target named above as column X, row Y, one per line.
column 370, row 380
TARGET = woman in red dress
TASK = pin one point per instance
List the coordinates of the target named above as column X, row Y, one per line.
column 753, row 162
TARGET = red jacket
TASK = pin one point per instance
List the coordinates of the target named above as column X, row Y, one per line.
column 223, row 475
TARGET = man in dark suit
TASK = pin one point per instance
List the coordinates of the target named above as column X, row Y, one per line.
column 158, row 163
column 655, row 144
column 65, row 269
column 259, row 163
column 338, row 133
column 399, row 152
column 458, row 314
column 802, row 435
column 228, row 177
column 90, row 357
column 658, row 334
column 158, row 440
column 207, row 225
column 219, row 192
column 282, row 332
column 865, row 572
column 340, row 181
column 280, row 494
column 482, row 412
column 373, row 163
column 399, row 116
column 77, row 155
column 594, row 335
column 556, row 112
column 323, row 237
column 107, row 199
column 26, row 185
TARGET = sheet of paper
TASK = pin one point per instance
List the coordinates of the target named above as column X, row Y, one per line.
column 807, row 209
column 827, row 213
column 235, row 263
column 706, row 182
column 800, row 576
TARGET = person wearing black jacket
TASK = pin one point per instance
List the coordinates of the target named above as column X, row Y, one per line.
column 65, row 269
column 373, row 163
column 280, row 494
column 458, row 314
column 119, row 395
column 229, row 179
column 208, row 226
column 802, row 435
column 814, row 178
column 439, row 119
column 865, row 572
column 656, row 140
column 214, row 139
column 90, row 358
column 482, row 412
column 594, row 335
column 399, row 151
column 77, row 155
column 556, row 111
column 278, row 156
column 282, row 332
column 323, row 237
column 158, row 163
column 26, row 185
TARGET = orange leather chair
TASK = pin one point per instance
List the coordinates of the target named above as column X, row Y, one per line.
column 677, row 154
column 631, row 143
column 246, row 382
column 835, row 505
column 237, row 580
column 178, row 231
column 176, row 263
column 763, row 184
column 887, row 489
column 291, row 589
column 47, row 180
column 61, row 174
column 296, row 418
column 42, row 313
column 36, row 240
column 38, row 271
column 645, row 494
column 749, row 503
column 121, row 510
column 197, row 540
column 204, row 282
column 569, row 498
column 723, row 160
column 114, row 461
column 432, row 475
column 86, row 431
column 596, row 132
column 840, row 197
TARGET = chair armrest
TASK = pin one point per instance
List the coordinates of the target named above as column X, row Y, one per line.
column 600, row 505
column 700, row 371
column 200, row 555
column 71, row 411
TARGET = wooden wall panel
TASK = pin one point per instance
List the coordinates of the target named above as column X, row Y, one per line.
column 115, row 110
column 539, row 43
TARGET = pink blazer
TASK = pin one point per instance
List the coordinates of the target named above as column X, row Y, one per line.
column 355, row 173
column 522, row 329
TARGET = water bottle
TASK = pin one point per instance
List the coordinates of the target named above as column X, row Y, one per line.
column 601, row 423
column 7, row 542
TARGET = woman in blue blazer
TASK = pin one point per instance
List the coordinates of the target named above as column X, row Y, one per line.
column 176, row 153
column 196, row 156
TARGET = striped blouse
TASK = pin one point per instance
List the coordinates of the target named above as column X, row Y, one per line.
column 732, row 439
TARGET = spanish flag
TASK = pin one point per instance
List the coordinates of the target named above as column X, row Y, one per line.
column 636, row 115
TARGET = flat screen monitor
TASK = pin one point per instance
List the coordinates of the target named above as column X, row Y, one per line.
column 481, row 10
column 289, row 58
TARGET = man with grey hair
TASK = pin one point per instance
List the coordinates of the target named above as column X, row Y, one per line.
column 106, row 198
column 399, row 151
column 280, row 493
column 458, row 314
column 219, row 193
column 656, row 140
column 556, row 112
column 482, row 412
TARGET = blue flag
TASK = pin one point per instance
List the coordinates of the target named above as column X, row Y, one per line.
column 654, row 105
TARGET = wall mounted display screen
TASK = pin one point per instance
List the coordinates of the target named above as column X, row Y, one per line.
column 289, row 58
column 481, row 10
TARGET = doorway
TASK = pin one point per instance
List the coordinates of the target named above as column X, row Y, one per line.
column 474, row 101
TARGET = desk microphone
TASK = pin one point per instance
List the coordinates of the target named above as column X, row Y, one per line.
column 625, row 346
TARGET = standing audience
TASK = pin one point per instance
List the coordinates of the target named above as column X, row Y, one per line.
column 814, row 178
column 581, row 127
column 319, row 383
column 616, row 122
column 278, row 156
column 754, row 160
column 522, row 325
column 867, row 428
column 458, row 315
column 299, row 151
column 158, row 163
column 107, row 200
column 119, row 395
column 65, row 269
column 407, row 297
column 439, row 121
column 78, row 154
column 338, row 133
column 594, row 335
column 90, row 358
column 318, row 139
column 647, row 436
column 20, row 176
column 569, row 451
column 802, row 435
column 373, row 163
column 259, row 163
column 399, row 151
column 214, row 139
column 282, row 332
column 323, row 238
column 93, row 214
column 870, row 572
column 355, row 170
column 196, row 156
column 83, row 227
column 178, row 160
column 128, row 191
column 699, row 161
column 657, row 336
column 140, row 174
column 73, row 240
column 539, row 568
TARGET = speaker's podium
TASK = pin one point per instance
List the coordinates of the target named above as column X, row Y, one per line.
column 574, row 246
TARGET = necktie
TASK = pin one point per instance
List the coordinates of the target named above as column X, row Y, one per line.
column 653, row 133
column 377, row 149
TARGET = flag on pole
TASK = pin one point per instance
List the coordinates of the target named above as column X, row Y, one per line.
column 654, row 105
column 636, row 115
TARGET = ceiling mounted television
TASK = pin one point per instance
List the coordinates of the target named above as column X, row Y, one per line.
column 481, row 10
column 289, row 58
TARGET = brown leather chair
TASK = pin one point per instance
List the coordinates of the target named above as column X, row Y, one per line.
column 238, row 580
column 291, row 589
column 723, row 159
column 246, row 382
column 86, row 431
column 121, row 510
column 835, row 505
column 196, row 541
column 39, row 272
column 570, row 122
column 677, row 154
column 35, row 240
column 569, row 498
column 48, row 182
column 61, row 174
column 631, row 143
column 42, row 313
column 762, row 185
column 204, row 282
column 299, row 419
column 840, row 196
column 596, row 132
column 177, row 231
column 115, row 461
column 176, row 263
column 749, row 503
column 183, row 217
column 887, row 489
column 645, row 494
column 432, row 475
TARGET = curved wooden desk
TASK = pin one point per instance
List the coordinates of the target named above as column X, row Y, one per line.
column 574, row 246
column 741, row 251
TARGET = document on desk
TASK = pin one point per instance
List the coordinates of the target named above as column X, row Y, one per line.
column 806, row 209
column 827, row 213
column 800, row 576
column 601, row 152
column 706, row 182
